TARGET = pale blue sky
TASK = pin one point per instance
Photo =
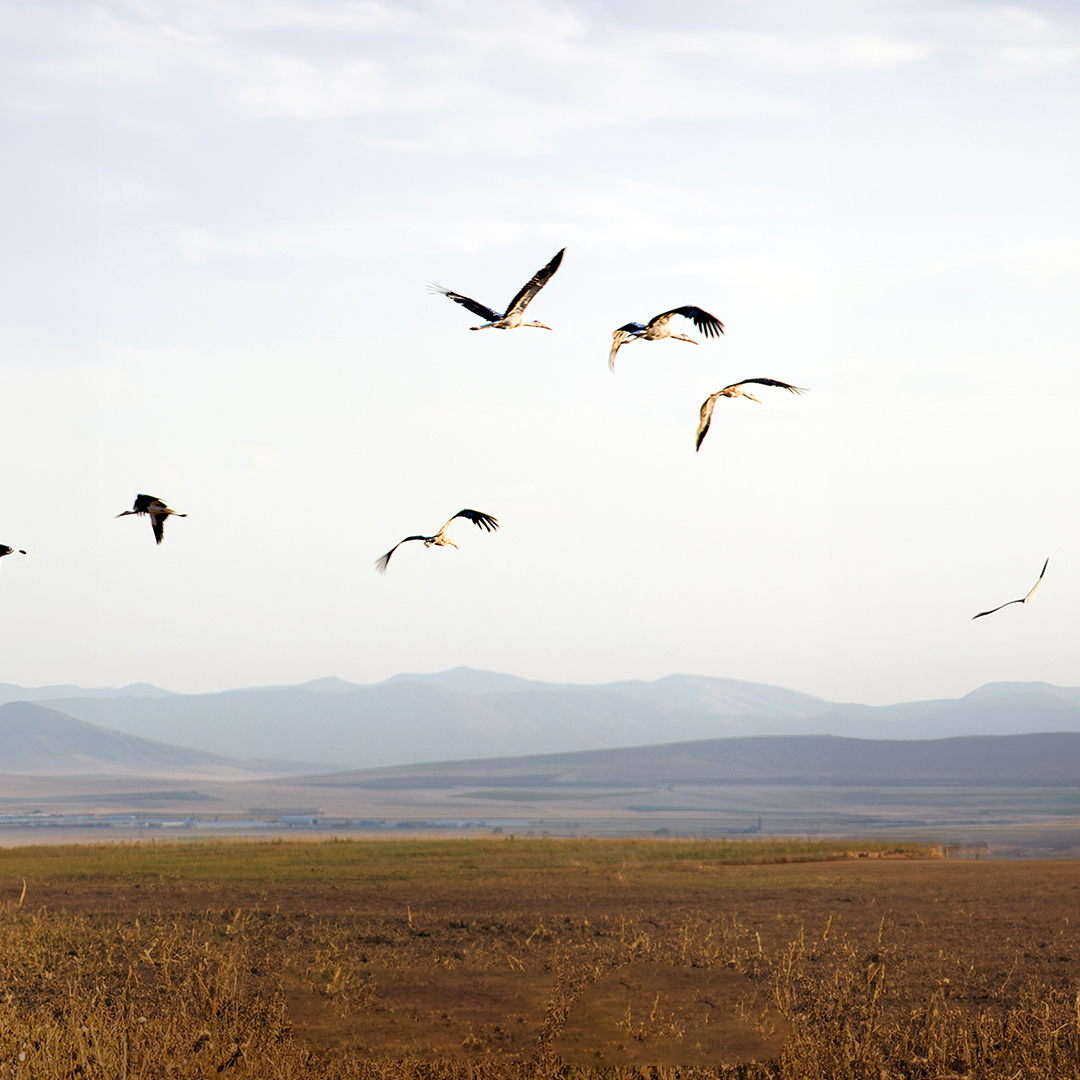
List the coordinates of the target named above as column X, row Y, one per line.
column 219, row 219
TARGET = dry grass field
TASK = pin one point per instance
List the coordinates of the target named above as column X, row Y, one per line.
column 520, row 958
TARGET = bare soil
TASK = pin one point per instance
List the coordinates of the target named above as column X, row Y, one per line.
column 866, row 967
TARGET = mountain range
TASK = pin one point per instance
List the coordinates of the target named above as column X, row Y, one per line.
column 39, row 741
column 468, row 714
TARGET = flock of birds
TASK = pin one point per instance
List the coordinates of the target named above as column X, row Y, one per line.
column 656, row 329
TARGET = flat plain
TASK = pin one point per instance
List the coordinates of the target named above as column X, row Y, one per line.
column 503, row 957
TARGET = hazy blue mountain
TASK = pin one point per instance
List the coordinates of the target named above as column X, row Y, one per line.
column 41, row 741
column 425, row 719
column 464, row 713
column 464, row 680
column 993, row 709
column 329, row 684
column 700, row 693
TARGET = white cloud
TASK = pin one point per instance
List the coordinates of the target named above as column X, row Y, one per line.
column 515, row 74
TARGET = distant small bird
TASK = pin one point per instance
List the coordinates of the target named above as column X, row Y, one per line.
column 657, row 328
column 440, row 539
column 512, row 318
column 5, row 550
column 158, row 511
column 735, row 390
column 1022, row 600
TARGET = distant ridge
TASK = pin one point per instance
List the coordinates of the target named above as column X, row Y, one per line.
column 426, row 718
column 9, row 692
column 981, row 761
column 465, row 714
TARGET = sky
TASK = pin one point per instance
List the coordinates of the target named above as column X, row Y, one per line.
column 219, row 219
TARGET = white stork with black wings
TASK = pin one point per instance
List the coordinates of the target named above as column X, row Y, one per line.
column 734, row 390
column 658, row 327
column 512, row 317
column 158, row 511
column 1022, row 600
column 440, row 539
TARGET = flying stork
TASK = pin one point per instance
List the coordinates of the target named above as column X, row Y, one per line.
column 657, row 327
column 5, row 550
column 512, row 317
column 1022, row 600
column 158, row 511
column 440, row 539
column 734, row 390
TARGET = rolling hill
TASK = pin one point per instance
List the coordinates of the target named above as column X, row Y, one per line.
column 35, row 740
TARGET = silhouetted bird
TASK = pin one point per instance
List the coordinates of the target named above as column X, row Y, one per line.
column 1022, row 600
column 158, row 511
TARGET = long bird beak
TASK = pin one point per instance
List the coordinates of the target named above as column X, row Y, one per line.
column 125, row 513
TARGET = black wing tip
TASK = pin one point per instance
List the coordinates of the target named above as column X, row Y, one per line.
column 762, row 381
column 479, row 519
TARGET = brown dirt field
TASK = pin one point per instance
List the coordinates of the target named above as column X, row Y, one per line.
column 878, row 968
column 988, row 918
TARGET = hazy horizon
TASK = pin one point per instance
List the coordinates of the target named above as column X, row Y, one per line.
column 136, row 689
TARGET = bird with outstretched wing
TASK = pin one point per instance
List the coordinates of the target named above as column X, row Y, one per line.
column 157, row 511
column 440, row 539
column 733, row 391
column 1022, row 600
column 658, row 327
column 511, row 318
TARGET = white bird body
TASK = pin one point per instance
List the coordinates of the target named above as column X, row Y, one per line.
column 733, row 391
column 156, row 509
column 440, row 539
column 512, row 318
column 659, row 326
column 1022, row 600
